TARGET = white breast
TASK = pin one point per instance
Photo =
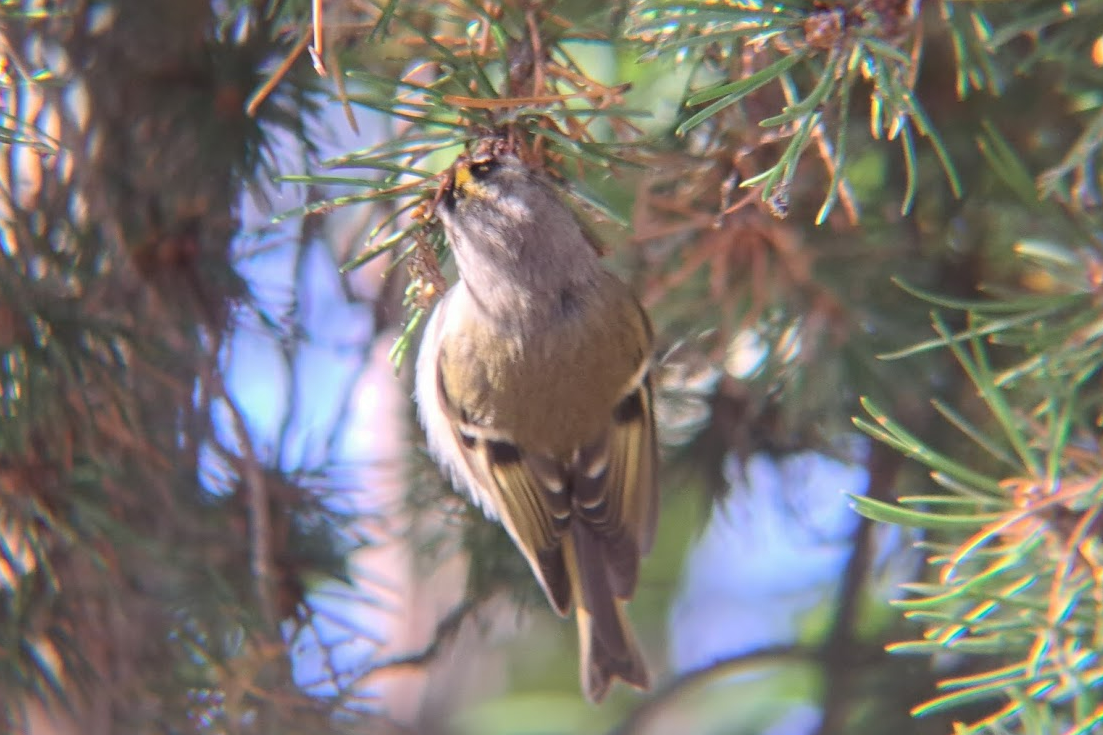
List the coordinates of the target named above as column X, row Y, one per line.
column 439, row 432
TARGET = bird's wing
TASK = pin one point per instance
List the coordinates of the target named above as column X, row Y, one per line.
column 536, row 509
column 528, row 493
column 611, row 485
column 615, row 486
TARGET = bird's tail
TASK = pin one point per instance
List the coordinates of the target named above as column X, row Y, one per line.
column 607, row 644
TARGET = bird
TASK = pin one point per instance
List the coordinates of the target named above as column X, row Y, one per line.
column 534, row 386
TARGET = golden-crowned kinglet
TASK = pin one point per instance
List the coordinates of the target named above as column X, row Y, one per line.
column 533, row 386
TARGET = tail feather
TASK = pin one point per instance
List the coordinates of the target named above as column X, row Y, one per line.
column 603, row 659
column 608, row 648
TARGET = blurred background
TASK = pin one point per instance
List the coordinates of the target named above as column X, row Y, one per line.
column 867, row 232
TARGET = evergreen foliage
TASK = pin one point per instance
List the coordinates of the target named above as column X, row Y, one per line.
column 895, row 203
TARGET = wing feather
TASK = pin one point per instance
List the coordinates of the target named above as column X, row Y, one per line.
column 620, row 500
column 534, row 512
column 610, row 485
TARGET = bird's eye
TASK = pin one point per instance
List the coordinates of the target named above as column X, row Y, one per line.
column 482, row 170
